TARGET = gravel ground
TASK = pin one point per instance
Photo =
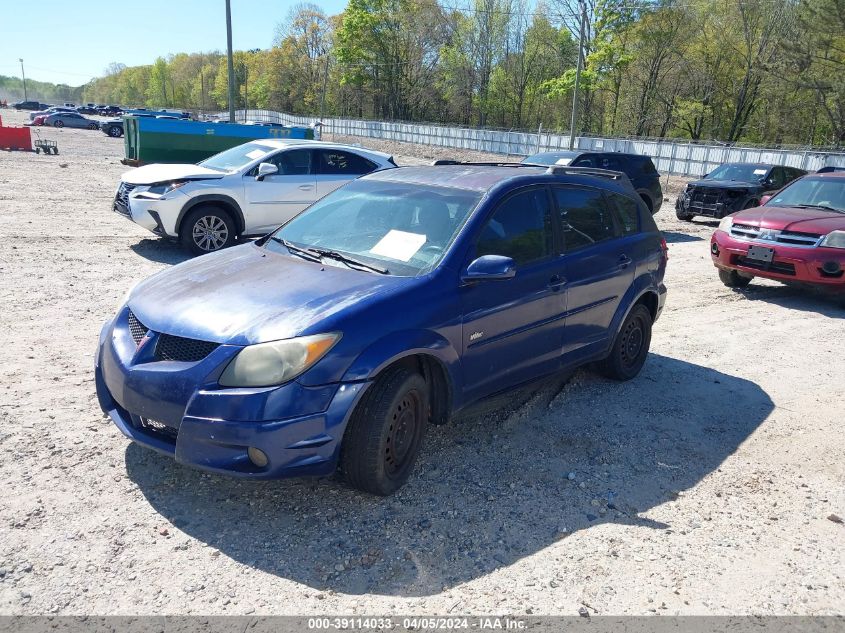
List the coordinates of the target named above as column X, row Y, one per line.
column 708, row 485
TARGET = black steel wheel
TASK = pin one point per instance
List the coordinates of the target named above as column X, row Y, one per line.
column 630, row 348
column 207, row 229
column 59, row 123
column 386, row 431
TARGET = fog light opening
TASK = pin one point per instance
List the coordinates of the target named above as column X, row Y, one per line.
column 714, row 248
column 831, row 268
column 257, row 457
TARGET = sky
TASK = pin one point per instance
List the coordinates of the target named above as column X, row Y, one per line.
column 73, row 42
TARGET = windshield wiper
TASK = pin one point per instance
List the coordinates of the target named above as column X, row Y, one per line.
column 304, row 253
column 349, row 261
column 819, row 206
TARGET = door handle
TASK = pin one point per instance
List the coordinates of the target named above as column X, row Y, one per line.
column 306, row 187
column 624, row 261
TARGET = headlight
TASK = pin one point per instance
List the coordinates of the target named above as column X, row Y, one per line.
column 834, row 239
column 168, row 187
column 268, row 364
column 726, row 223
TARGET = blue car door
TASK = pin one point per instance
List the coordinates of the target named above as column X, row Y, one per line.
column 513, row 329
column 599, row 267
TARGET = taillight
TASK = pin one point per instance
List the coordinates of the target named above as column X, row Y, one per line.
column 665, row 247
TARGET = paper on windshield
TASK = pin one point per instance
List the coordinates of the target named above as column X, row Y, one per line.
column 563, row 161
column 759, row 172
column 399, row 245
column 256, row 153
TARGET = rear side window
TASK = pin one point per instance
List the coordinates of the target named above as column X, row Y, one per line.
column 521, row 228
column 585, row 217
column 331, row 161
column 627, row 213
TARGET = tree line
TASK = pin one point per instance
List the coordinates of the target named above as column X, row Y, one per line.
column 762, row 71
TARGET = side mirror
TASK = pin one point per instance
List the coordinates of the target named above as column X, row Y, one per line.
column 765, row 199
column 490, row 267
column 266, row 169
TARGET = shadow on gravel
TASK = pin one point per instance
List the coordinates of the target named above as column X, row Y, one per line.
column 161, row 250
column 489, row 490
column 806, row 299
column 673, row 237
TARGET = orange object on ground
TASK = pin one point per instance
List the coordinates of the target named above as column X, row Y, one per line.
column 15, row 138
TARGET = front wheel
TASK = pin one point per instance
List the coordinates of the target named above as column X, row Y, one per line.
column 207, row 229
column 630, row 348
column 385, row 434
column 683, row 215
column 59, row 124
column 732, row 279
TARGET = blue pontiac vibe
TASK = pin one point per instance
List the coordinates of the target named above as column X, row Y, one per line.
column 390, row 304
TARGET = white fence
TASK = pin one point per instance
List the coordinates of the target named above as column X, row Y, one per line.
column 672, row 157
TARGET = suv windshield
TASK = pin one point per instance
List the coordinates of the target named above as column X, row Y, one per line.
column 746, row 173
column 816, row 192
column 404, row 228
column 236, row 157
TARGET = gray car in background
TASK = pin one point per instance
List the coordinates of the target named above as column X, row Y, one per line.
column 71, row 119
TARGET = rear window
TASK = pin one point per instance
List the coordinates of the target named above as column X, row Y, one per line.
column 647, row 166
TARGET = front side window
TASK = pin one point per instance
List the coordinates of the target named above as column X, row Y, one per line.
column 777, row 178
column 331, row 162
column 295, row 162
column 403, row 227
column 585, row 217
column 521, row 228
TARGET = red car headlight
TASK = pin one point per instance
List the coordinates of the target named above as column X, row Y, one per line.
column 834, row 239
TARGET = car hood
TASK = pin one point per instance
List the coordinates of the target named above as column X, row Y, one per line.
column 792, row 219
column 245, row 295
column 725, row 184
column 150, row 174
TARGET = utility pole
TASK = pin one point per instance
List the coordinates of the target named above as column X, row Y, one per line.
column 230, row 61
column 325, row 81
column 20, row 59
column 574, row 121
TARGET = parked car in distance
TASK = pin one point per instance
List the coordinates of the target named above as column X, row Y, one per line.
column 829, row 168
column 640, row 169
column 39, row 120
column 113, row 127
column 798, row 235
column 30, row 105
column 732, row 187
column 391, row 304
column 111, row 110
column 247, row 190
column 88, row 108
column 49, row 111
column 70, row 119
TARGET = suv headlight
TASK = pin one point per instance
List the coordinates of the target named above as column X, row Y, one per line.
column 268, row 364
column 834, row 239
column 167, row 187
column 726, row 223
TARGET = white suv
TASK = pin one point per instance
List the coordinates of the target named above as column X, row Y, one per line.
column 247, row 190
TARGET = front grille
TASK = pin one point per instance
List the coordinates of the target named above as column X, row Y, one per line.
column 186, row 350
column 775, row 267
column 137, row 329
column 159, row 429
column 789, row 238
column 121, row 199
column 705, row 199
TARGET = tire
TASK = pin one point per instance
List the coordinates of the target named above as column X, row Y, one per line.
column 115, row 131
column 207, row 229
column 686, row 217
column 93, row 126
column 385, row 433
column 732, row 279
column 58, row 124
column 630, row 348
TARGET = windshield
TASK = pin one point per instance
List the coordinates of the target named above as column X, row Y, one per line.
column 237, row 157
column 402, row 227
column 745, row 173
column 550, row 158
column 817, row 192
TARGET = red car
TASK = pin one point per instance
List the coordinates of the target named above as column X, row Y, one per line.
column 797, row 235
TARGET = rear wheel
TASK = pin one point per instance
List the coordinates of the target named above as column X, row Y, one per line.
column 59, row 123
column 207, row 229
column 630, row 347
column 385, row 433
column 115, row 131
column 732, row 279
column 92, row 126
